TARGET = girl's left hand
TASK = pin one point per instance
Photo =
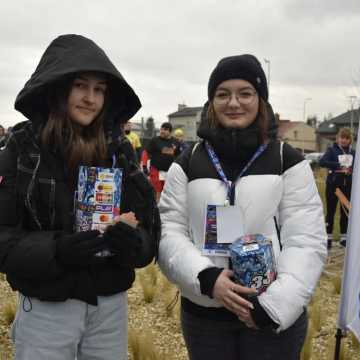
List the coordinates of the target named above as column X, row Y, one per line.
column 231, row 296
column 247, row 319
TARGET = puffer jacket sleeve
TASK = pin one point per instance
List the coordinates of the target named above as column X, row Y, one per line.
column 27, row 254
column 138, row 196
column 179, row 259
column 303, row 255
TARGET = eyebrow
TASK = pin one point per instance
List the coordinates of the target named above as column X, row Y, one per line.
column 241, row 89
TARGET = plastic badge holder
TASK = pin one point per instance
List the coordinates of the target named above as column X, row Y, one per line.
column 253, row 261
column 97, row 199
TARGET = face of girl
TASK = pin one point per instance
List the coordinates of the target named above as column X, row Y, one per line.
column 86, row 98
column 236, row 103
column 344, row 141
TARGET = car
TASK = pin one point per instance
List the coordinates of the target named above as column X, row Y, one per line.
column 313, row 158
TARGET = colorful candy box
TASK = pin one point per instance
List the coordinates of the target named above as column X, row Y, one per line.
column 97, row 200
column 98, row 197
column 253, row 261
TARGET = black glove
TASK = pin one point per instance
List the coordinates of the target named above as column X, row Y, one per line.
column 124, row 241
column 79, row 248
column 145, row 170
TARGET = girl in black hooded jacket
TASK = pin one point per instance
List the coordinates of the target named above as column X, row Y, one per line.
column 72, row 302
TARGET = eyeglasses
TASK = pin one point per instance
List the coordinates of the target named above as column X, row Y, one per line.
column 244, row 97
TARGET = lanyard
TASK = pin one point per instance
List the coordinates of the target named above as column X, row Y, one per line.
column 230, row 198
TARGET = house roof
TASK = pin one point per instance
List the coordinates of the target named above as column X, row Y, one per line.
column 331, row 126
column 187, row 111
column 327, row 127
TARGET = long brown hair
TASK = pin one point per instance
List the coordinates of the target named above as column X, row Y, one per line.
column 79, row 145
column 262, row 119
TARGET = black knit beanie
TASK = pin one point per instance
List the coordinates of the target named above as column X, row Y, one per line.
column 246, row 67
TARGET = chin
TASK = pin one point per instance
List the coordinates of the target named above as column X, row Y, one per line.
column 84, row 122
column 235, row 124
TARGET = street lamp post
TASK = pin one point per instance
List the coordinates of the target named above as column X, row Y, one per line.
column 304, row 110
column 304, row 118
column 267, row 62
column 352, row 99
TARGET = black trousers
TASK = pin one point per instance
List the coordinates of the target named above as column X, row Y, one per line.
column 228, row 340
column 331, row 203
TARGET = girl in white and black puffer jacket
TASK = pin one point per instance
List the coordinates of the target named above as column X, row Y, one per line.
column 279, row 199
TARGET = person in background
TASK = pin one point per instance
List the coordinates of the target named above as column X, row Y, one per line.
column 3, row 137
column 133, row 138
column 72, row 302
column 145, row 162
column 339, row 160
column 161, row 151
column 181, row 145
column 257, row 185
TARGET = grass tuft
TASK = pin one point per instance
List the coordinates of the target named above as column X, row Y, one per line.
column 9, row 311
column 148, row 287
column 142, row 346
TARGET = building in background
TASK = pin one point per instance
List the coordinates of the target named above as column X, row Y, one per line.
column 298, row 134
column 187, row 119
column 328, row 129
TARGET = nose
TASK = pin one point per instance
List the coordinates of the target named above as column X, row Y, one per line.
column 90, row 95
column 233, row 100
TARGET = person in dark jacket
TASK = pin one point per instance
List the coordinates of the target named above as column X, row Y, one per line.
column 161, row 151
column 181, row 144
column 239, row 180
column 339, row 159
column 3, row 137
column 72, row 301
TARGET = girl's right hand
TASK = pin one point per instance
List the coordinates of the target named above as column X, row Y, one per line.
column 128, row 218
column 226, row 292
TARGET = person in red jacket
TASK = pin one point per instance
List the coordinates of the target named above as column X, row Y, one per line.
column 162, row 152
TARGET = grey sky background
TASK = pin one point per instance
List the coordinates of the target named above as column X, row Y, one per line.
column 167, row 49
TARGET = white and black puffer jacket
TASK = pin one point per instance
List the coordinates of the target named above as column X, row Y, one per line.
column 278, row 187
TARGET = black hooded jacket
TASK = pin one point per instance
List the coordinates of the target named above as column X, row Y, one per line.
column 36, row 202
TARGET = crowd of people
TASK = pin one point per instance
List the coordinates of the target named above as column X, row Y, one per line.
column 72, row 272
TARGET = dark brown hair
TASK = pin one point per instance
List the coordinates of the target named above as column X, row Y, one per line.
column 79, row 145
column 262, row 119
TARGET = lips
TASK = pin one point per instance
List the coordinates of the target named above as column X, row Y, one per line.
column 85, row 110
column 234, row 115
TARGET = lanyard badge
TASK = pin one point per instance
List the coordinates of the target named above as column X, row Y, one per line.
column 230, row 198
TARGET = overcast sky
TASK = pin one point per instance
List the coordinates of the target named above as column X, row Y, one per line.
column 166, row 49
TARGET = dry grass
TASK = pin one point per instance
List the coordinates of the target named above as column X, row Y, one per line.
column 8, row 310
column 336, row 280
column 141, row 346
column 148, row 279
